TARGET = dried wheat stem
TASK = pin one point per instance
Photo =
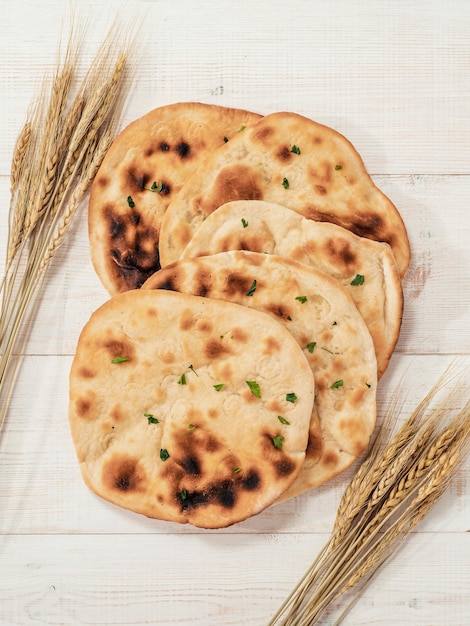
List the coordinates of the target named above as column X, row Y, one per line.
column 49, row 179
column 429, row 447
column 48, row 162
column 61, row 228
column 19, row 153
column 368, row 477
column 429, row 492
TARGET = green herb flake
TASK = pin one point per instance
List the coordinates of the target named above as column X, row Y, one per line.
column 151, row 419
column 130, row 202
column 182, row 379
column 359, row 280
column 164, row 454
column 219, row 386
column 289, row 318
column 291, row 397
column 311, row 346
column 285, row 183
column 225, row 139
column 302, row 299
column 326, row 350
column 368, row 386
column 295, row 149
column 254, row 387
column 191, row 367
column 241, row 128
column 244, row 222
column 277, row 441
column 236, row 470
column 120, row 359
column 191, row 427
column 183, row 495
column 283, row 420
column 154, row 186
column 338, row 167
column 252, row 289
column 336, row 384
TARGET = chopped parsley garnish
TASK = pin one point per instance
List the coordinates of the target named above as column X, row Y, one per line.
column 151, row 419
column 164, row 454
column 236, row 470
column 289, row 318
column 311, row 346
column 336, row 384
column 283, row 420
column 219, row 386
column 291, row 397
column 252, row 289
column 244, row 222
column 335, row 324
column 155, row 187
column 367, row 385
column 302, row 299
column 285, row 183
column 326, row 350
column 191, row 427
column 120, row 359
column 338, row 167
column 254, row 387
column 183, row 494
column 295, row 149
column 359, row 280
column 182, row 379
column 130, row 202
column 241, row 128
column 191, row 367
column 277, row 441
column 225, row 139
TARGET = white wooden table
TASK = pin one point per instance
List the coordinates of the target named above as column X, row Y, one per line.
column 394, row 77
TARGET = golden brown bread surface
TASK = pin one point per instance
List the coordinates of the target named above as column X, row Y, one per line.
column 271, row 228
column 163, row 420
column 144, row 169
column 291, row 160
column 323, row 319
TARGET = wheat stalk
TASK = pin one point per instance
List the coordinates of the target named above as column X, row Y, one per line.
column 398, row 486
column 55, row 159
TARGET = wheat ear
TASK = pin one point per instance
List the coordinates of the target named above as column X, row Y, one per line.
column 430, row 446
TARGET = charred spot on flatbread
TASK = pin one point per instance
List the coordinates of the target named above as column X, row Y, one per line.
column 234, row 183
column 133, row 251
column 124, row 474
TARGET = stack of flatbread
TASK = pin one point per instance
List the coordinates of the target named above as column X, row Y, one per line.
column 255, row 300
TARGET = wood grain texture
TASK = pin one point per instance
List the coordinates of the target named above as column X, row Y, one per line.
column 394, row 78
column 130, row 580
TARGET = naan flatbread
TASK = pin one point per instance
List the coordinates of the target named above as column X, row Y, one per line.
column 325, row 322
column 291, row 160
column 162, row 416
column 144, row 169
column 366, row 268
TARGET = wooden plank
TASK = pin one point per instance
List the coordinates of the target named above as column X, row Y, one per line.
column 436, row 288
column 393, row 83
column 213, row 580
column 42, row 491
